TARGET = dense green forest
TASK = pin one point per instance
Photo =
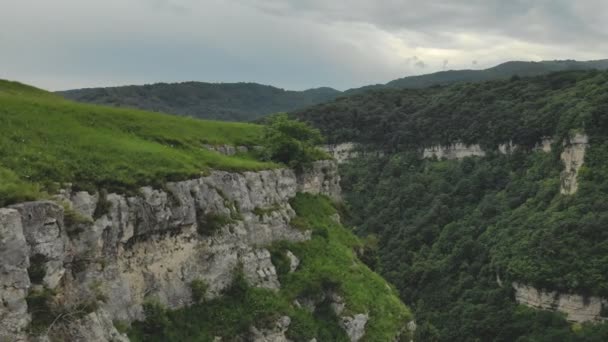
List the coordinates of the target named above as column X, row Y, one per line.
column 522, row 110
column 501, row 71
column 447, row 229
column 250, row 101
column 217, row 101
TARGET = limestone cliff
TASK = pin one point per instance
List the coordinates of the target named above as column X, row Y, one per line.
column 454, row 151
column 577, row 308
column 102, row 255
column 573, row 157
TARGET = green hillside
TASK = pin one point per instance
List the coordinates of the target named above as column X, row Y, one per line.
column 46, row 140
column 447, row 229
column 218, row 101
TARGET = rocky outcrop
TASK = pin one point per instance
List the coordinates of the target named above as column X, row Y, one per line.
column 573, row 157
column 576, row 307
column 14, row 279
column 275, row 333
column 355, row 326
column 342, row 152
column 454, row 151
column 544, row 146
column 122, row 250
column 321, row 178
column 227, row 150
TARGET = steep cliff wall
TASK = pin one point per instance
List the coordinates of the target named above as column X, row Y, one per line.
column 101, row 256
column 573, row 157
column 454, row 151
column 342, row 152
column 576, row 307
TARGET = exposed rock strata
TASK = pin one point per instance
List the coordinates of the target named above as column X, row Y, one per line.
column 573, row 157
column 454, row 151
column 123, row 250
column 342, row 152
column 576, row 307
column 227, row 150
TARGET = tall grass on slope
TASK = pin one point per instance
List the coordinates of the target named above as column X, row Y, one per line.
column 45, row 140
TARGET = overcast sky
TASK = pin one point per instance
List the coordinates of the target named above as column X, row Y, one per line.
column 293, row 44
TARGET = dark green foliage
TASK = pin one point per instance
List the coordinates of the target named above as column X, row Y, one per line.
column 37, row 269
column 280, row 260
column 219, row 101
column 121, row 326
column 157, row 320
column 48, row 315
column 208, row 224
column 103, row 205
column 199, row 290
column 41, row 306
column 290, row 142
column 447, row 228
column 490, row 113
column 513, row 70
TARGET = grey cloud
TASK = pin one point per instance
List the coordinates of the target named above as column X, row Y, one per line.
column 288, row 43
column 542, row 21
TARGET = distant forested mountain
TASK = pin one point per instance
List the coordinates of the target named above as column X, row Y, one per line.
column 250, row 101
column 218, row 101
column 501, row 71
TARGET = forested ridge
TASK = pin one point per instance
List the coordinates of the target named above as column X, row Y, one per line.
column 218, row 101
column 453, row 235
column 250, row 101
column 521, row 110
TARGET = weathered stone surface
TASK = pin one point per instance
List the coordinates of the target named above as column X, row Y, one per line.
column 576, row 307
column 153, row 245
column 321, row 178
column 294, row 262
column 14, row 280
column 355, row 326
column 342, row 152
column 46, row 237
column 272, row 334
column 454, row 151
column 573, row 158
column 228, row 150
column 96, row 326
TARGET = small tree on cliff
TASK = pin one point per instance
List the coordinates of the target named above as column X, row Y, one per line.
column 291, row 142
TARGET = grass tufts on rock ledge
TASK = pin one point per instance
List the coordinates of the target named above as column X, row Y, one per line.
column 328, row 264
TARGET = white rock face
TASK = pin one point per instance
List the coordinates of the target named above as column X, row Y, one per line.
column 573, row 158
column 321, row 179
column 342, row 152
column 150, row 246
column 355, row 326
column 454, row 151
column 14, row 280
column 576, row 307
column 294, row 262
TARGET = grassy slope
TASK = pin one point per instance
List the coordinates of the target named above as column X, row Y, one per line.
column 45, row 139
column 327, row 263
